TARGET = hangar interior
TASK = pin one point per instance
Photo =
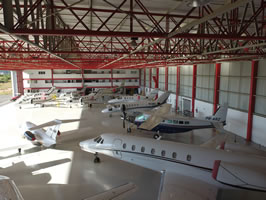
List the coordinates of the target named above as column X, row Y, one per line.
column 206, row 53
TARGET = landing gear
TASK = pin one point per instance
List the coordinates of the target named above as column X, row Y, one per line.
column 90, row 105
column 96, row 158
column 156, row 136
column 129, row 130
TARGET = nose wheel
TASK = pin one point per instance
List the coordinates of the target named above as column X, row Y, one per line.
column 96, row 158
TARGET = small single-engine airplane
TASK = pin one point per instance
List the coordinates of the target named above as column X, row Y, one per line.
column 9, row 191
column 39, row 98
column 160, row 123
column 134, row 98
column 38, row 136
column 188, row 171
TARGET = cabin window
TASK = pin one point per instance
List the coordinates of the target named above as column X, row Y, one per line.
column 174, row 155
column 124, row 145
column 188, row 157
column 152, row 151
column 133, row 147
column 169, row 121
column 186, row 122
column 163, row 153
column 142, row 149
column 99, row 140
column 175, row 121
column 181, row 122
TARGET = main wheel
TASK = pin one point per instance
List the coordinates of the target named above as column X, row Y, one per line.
column 156, row 136
column 97, row 160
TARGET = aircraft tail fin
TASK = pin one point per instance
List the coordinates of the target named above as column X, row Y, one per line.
column 163, row 98
column 220, row 115
column 54, row 126
column 153, row 94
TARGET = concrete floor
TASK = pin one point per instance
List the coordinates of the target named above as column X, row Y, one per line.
column 65, row 172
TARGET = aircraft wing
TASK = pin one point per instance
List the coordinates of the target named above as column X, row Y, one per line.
column 151, row 122
column 8, row 189
column 53, row 123
column 184, row 187
column 156, row 117
column 117, row 193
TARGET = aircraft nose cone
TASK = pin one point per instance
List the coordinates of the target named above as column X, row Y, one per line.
column 83, row 144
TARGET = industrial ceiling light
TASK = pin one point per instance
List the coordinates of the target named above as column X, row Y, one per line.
column 133, row 42
column 194, row 3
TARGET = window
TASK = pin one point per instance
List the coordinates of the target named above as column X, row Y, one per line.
column 142, row 149
column 181, row 122
column 174, row 155
column 133, row 72
column 124, row 145
column 186, row 122
column 41, row 72
column 152, row 151
column 163, row 153
column 96, row 139
column 175, row 121
column 102, row 141
column 133, row 147
column 48, row 81
column 188, row 157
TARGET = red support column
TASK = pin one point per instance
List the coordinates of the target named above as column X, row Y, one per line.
column 252, row 93
column 177, row 86
column 216, row 86
column 52, row 76
column 20, row 81
column 139, row 77
column 194, row 82
column 166, row 78
column 111, row 78
column 157, row 77
column 150, row 75
column 144, row 80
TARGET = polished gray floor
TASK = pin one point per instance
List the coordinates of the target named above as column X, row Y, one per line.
column 66, row 172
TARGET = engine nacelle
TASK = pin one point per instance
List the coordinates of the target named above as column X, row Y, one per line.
column 30, row 136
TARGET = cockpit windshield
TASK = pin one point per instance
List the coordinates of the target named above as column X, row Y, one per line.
column 142, row 117
column 99, row 140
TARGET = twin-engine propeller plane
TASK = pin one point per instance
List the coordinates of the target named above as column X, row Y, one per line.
column 159, row 122
column 102, row 95
column 188, row 171
column 134, row 98
column 136, row 106
column 38, row 136
column 9, row 191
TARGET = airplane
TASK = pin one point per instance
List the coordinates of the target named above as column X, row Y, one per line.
column 40, row 97
column 136, row 106
column 9, row 190
column 159, row 123
column 102, row 95
column 47, row 138
column 134, row 98
column 187, row 171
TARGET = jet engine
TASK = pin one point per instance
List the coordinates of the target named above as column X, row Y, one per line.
column 30, row 136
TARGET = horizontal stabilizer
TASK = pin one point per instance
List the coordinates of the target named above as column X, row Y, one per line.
column 117, row 193
column 53, row 123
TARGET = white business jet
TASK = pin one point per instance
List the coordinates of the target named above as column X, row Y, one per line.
column 188, row 171
column 9, row 191
column 134, row 98
column 38, row 136
column 159, row 122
